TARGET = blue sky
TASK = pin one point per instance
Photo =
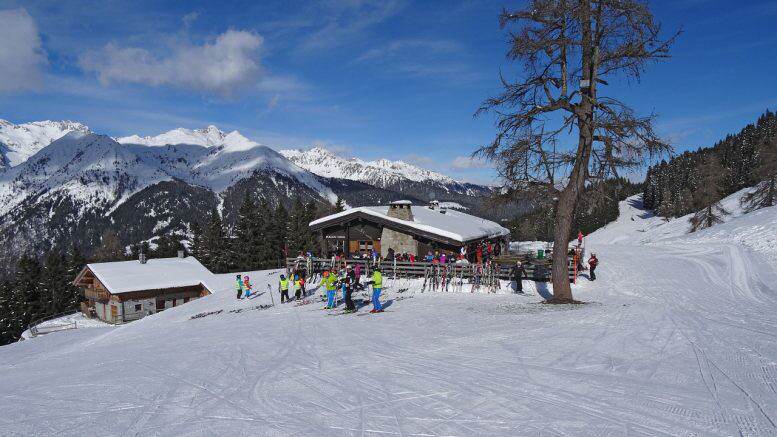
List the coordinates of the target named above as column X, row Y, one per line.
column 392, row 78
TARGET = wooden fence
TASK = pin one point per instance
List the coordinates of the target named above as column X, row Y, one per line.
column 537, row 270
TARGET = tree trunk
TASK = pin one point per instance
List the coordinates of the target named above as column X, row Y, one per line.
column 562, row 291
column 770, row 195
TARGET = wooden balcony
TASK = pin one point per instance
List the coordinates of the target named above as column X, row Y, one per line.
column 96, row 295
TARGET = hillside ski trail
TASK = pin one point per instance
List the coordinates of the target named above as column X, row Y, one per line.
column 676, row 341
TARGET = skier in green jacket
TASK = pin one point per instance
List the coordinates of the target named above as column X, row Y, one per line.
column 377, row 285
column 239, row 287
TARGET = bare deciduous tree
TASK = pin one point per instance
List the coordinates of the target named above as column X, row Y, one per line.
column 567, row 49
column 765, row 193
column 708, row 194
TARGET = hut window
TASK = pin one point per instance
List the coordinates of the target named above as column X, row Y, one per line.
column 138, row 307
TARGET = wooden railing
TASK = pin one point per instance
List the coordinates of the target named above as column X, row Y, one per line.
column 537, row 270
column 36, row 329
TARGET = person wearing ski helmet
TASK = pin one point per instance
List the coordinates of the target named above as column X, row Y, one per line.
column 247, row 285
column 284, row 287
column 330, row 283
column 239, row 287
column 377, row 285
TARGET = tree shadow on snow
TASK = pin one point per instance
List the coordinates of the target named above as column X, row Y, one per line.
column 542, row 290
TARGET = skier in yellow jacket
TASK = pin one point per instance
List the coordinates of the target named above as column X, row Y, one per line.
column 377, row 285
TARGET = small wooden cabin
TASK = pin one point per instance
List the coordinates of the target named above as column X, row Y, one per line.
column 120, row 292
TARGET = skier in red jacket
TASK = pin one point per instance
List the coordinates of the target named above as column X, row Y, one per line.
column 592, row 263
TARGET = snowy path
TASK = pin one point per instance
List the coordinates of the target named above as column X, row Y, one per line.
column 676, row 341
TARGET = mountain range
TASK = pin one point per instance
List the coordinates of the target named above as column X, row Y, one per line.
column 62, row 184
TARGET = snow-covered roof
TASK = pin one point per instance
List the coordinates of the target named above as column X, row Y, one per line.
column 157, row 273
column 453, row 225
column 401, row 202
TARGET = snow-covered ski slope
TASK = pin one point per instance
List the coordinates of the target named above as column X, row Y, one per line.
column 635, row 225
column 679, row 339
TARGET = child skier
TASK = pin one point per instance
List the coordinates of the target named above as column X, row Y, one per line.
column 284, row 287
column 518, row 274
column 239, row 287
column 377, row 285
column 247, row 286
column 297, row 287
column 592, row 263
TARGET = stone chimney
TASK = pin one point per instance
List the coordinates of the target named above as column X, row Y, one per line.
column 401, row 210
column 142, row 258
column 181, row 254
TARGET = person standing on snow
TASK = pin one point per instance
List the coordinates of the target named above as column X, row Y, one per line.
column 301, row 287
column 518, row 273
column 592, row 263
column 377, row 285
column 284, row 287
column 330, row 284
column 247, row 286
column 357, row 270
column 239, row 287
column 348, row 284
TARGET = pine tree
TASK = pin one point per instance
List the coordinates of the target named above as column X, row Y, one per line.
column 278, row 236
column 8, row 325
column 265, row 226
column 168, row 246
column 765, row 192
column 23, row 304
column 110, row 248
column 215, row 253
column 197, row 240
column 245, row 247
column 54, row 280
column 708, row 194
column 339, row 205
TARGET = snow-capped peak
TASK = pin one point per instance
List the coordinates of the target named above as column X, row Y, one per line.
column 326, row 163
column 210, row 136
column 20, row 141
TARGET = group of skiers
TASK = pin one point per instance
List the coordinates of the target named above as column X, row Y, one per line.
column 296, row 280
column 348, row 280
column 243, row 286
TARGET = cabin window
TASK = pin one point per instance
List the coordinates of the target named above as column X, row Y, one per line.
column 160, row 304
column 138, row 307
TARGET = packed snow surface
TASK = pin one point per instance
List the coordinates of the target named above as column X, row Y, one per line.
column 127, row 276
column 452, row 224
column 676, row 340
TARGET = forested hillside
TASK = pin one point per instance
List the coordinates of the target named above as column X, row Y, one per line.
column 671, row 188
column 598, row 206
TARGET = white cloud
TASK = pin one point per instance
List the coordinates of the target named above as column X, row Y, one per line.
column 223, row 66
column 21, row 57
column 467, row 162
column 339, row 21
column 190, row 18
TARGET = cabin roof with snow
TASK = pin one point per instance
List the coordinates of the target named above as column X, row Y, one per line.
column 157, row 273
column 429, row 221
